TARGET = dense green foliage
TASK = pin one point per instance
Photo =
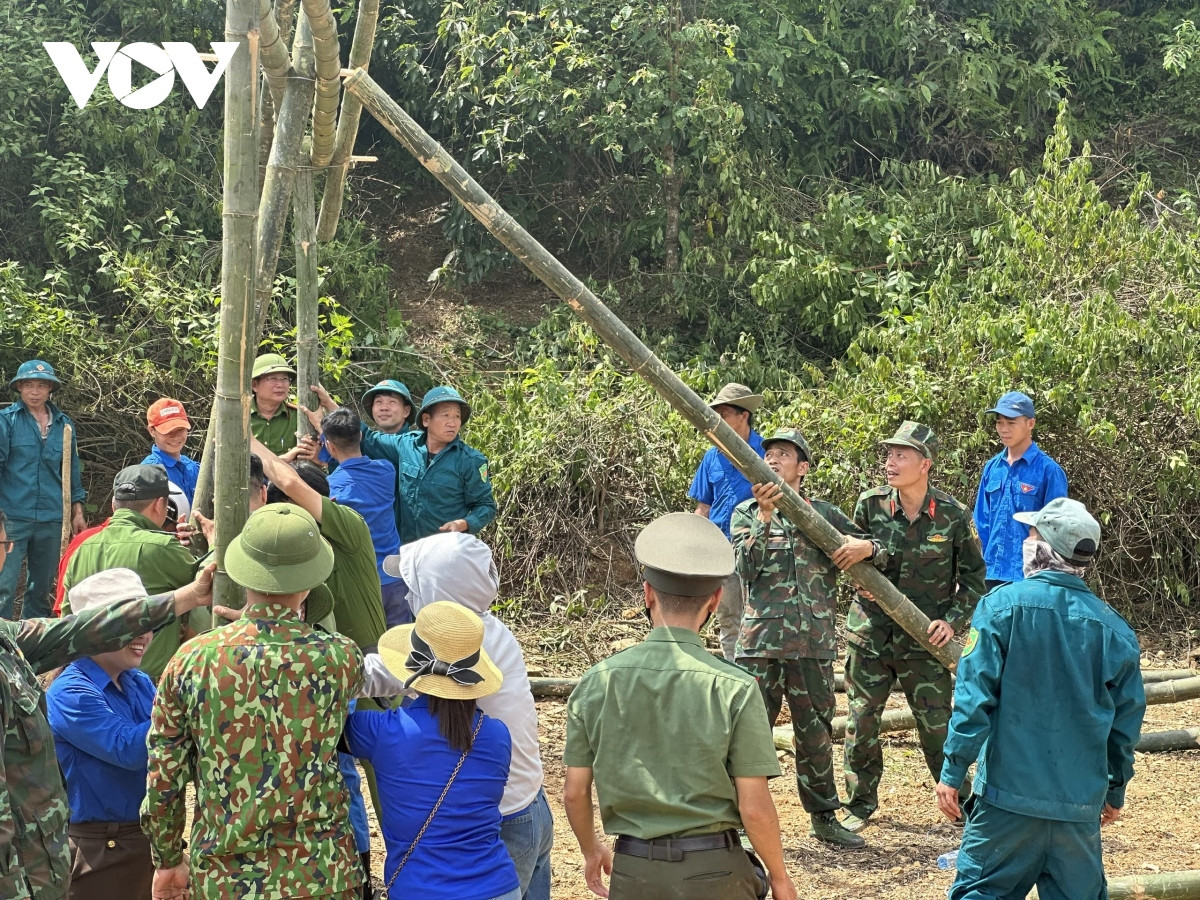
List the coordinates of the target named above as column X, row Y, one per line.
column 872, row 211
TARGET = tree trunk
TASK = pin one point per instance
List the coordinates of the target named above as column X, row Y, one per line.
column 329, row 85
column 347, row 128
column 231, row 444
column 672, row 187
column 308, row 345
column 617, row 335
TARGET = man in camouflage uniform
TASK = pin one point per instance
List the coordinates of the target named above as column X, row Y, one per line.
column 251, row 714
column 788, row 640
column 924, row 541
column 35, row 861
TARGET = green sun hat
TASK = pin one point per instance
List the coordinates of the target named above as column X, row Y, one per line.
column 280, row 551
column 445, row 394
column 791, row 436
column 913, row 434
column 271, row 364
column 35, row 370
column 391, row 386
column 1067, row 526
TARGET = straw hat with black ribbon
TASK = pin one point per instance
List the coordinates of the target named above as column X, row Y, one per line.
column 441, row 654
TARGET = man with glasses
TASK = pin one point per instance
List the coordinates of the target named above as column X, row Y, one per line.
column 273, row 420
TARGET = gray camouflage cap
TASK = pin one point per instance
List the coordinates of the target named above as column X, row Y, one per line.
column 913, row 434
column 685, row 554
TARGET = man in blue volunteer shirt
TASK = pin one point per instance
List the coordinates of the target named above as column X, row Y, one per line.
column 718, row 487
column 1020, row 478
column 1044, row 649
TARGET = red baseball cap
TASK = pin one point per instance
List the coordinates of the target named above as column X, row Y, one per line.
column 167, row 414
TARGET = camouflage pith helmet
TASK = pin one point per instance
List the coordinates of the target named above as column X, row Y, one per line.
column 391, row 386
column 795, row 438
column 913, row 434
column 685, row 554
column 445, row 394
column 35, row 370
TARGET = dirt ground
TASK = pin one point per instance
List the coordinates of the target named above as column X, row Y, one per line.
column 1160, row 830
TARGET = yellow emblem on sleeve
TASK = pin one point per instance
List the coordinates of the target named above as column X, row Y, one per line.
column 938, row 538
column 972, row 640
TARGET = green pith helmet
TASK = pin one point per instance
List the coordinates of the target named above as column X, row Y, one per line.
column 35, row 370
column 913, row 434
column 391, row 386
column 271, row 364
column 795, row 438
column 280, row 551
column 445, row 394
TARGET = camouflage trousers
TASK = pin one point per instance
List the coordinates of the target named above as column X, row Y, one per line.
column 869, row 679
column 807, row 684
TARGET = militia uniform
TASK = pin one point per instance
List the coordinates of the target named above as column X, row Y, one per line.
column 935, row 561
column 664, row 770
column 35, row 860
column 788, row 638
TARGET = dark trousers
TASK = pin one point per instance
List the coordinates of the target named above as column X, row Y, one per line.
column 109, row 861
column 724, row 874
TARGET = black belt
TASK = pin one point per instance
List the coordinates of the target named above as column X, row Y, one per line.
column 673, row 849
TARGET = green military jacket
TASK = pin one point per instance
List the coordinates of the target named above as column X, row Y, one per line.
column 791, row 585
column 132, row 541
column 354, row 581
column 936, row 562
column 278, row 433
column 665, row 727
column 35, row 861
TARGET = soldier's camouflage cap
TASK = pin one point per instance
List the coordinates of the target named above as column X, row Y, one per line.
column 1067, row 526
column 683, row 553
column 280, row 551
column 791, row 436
column 271, row 364
column 913, row 434
column 141, row 482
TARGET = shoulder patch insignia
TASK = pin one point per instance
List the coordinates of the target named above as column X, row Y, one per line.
column 938, row 538
column 971, row 526
column 483, row 472
column 972, row 640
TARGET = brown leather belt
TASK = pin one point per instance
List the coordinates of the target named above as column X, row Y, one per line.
column 673, row 849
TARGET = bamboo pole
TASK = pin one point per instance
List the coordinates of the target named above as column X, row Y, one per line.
column 231, row 444
column 64, row 537
column 1158, row 886
column 617, row 335
column 347, row 128
column 329, row 86
column 308, row 345
column 1169, row 741
column 274, row 52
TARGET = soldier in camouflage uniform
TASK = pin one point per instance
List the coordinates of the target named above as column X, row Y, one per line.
column 251, row 714
column 924, row 541
column 35, row 861
column 788, row 640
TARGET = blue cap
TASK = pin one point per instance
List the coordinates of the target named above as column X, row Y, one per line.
column 445, row 394
column 1012, row 405
column 391, row 386
column 34, row 370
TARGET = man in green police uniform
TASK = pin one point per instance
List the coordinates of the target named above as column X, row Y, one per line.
column 273, row 420
column 924, row 541
column 134, row 539
column 675, row 780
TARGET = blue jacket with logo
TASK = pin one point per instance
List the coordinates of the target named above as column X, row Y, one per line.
column 31, row 467
column 1049, row 699
column 1025, row 486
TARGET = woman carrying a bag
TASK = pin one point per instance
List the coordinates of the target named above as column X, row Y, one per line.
column 440, row 763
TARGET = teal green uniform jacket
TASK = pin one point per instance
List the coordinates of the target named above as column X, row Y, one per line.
column 31, row 468
column 1049, row 698
column 454, row 484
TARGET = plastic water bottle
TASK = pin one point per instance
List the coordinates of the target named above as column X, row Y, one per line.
column 948, row 860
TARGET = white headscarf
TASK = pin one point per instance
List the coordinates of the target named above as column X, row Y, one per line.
column 459, row 567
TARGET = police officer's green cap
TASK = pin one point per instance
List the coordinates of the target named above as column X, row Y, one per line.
column 391, row 386
column 271, row 364
column 734, row 394
column 913, row 434
column 445, row 394
column 683, row 553
column 1067, row 526
column 143, row 482
column 280, row 551
column 35, row 370
column 790, row 436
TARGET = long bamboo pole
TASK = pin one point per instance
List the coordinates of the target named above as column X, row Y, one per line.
column 231, row 443
column 329, row 86
column 347, row 128
column 275, row 58
column 64, row 537
column 1157, row 886
column 639, row 357
column 308, row 344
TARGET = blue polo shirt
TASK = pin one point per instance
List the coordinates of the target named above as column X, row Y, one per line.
column 100, row 738
column 183, row 472
column 368, row 486
column 1025, row 486
column 719, row 484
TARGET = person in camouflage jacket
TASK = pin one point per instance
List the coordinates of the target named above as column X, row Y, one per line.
column 35, row 860
column 924, row 541
column 788, row 639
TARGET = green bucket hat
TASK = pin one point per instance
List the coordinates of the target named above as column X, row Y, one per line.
column 391, row 386
column 913, row 434
column 1067, row 526
column 445, row 394
column 683, row 553
column 734, row 394
column 271, row 364
column 791, row 436
column 35, row 370
column 280, row 551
